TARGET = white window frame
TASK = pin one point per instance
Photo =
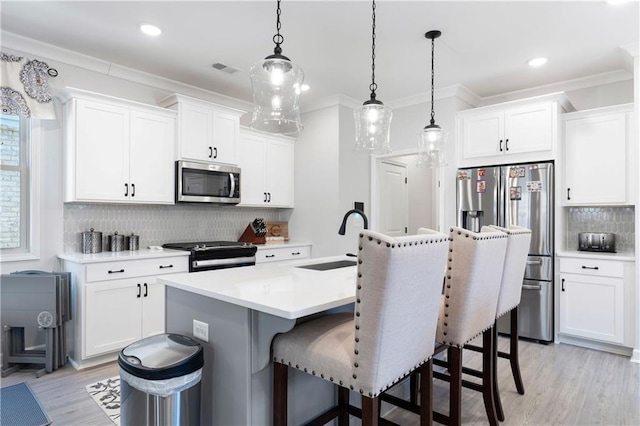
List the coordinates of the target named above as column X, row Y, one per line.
column 32, row 251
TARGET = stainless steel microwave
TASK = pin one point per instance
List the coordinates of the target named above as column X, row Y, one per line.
column 207, row 183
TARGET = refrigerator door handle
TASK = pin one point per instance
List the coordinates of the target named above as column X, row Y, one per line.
column 531, row 287
column 534, row 262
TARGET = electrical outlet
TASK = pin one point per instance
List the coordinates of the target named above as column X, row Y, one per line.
column 201, row 330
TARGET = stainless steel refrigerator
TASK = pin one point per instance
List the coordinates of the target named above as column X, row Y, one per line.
column 518, row 194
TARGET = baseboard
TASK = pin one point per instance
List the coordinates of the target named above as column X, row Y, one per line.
column 92, row 362
column 600, row 346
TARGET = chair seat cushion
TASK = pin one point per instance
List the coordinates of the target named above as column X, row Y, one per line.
column 323, row 347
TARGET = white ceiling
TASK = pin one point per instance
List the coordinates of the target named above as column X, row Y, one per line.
column 484, row 46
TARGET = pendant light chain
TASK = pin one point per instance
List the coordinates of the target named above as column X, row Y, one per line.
column 433, row 114
column 373, row 85
column 277, row 38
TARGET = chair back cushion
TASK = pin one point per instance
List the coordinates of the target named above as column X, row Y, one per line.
column 474, row 276
column 515, row 263
column 399, row 284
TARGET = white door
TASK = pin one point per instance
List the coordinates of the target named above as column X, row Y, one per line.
column 394, row 198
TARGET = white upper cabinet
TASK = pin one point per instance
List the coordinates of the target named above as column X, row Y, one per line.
column 206, row 132
column 118, row 151
column 267, row 169
column 512, row 132
column 596, row 156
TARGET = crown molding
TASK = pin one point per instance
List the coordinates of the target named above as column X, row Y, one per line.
column 456, row 91
column 57, row 54
column 331, row 101
column 563, row 86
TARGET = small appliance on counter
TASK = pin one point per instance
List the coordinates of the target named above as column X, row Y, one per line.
column 91, row 241
column 597, row 241
column 255, row 232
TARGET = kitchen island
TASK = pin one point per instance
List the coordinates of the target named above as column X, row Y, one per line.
column 242, row 309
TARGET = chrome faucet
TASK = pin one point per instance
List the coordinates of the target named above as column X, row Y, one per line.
column 349, row 213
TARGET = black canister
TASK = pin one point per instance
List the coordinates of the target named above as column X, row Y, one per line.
column 132, row 242
column 91, row 241
column 115, row 242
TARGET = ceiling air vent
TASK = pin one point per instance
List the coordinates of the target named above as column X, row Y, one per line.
column 225, row 68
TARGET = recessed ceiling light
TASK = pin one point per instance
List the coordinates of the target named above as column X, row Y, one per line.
column 150, row 30
column 537, row 62
column 304, row 87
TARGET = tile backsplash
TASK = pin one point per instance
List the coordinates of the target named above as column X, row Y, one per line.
column 617, row 220
column 157, row 225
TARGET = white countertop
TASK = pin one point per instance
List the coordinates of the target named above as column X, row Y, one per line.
column 272, row 245
column 110, row 256
column 279, row 289
column 624, row 256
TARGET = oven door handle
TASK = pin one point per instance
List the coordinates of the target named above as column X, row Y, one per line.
column 233, row 185
column 220, row 262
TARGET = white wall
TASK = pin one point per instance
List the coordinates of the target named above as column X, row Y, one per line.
column 317, row 212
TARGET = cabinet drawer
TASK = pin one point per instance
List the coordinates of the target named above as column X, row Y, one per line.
column 282, row 253
column 608, row 268
column 136, row 268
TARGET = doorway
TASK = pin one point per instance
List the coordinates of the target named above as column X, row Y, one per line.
column 393, row 198
column 422, row 206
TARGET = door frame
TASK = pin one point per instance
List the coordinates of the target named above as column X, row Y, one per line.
column 437, row 196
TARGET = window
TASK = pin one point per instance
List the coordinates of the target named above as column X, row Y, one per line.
column 18, row 187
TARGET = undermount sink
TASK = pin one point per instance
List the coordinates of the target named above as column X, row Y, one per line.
column 326, row 266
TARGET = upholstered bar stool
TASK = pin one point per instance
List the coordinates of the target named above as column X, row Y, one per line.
column 518, row 240
column 473, row 279
column 390, row 334
column 515, row 262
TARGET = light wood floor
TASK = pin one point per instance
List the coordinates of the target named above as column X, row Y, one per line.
column 565, row 385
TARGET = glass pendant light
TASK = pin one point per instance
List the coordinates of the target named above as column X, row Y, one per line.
column 373, row 119
column 276, row 84
column 432, row 139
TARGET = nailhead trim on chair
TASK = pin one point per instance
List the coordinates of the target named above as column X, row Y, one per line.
column 357, row 327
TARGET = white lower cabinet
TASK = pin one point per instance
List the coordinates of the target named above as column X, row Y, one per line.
column 117, row 303
column 139, row 313
column 280, row 253
column 592, row 299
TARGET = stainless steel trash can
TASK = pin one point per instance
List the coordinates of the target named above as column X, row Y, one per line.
column 160, row 381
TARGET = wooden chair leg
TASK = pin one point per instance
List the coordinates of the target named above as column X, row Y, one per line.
column 280, row 377
column 496, row 387
column 513, row 352
column 414, row 387
column 487, row 376
column 370, row 411
column 454, row 356
column 426, row 393
column 343, row 405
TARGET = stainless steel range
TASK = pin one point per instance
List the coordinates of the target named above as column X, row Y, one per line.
column 209, row 255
